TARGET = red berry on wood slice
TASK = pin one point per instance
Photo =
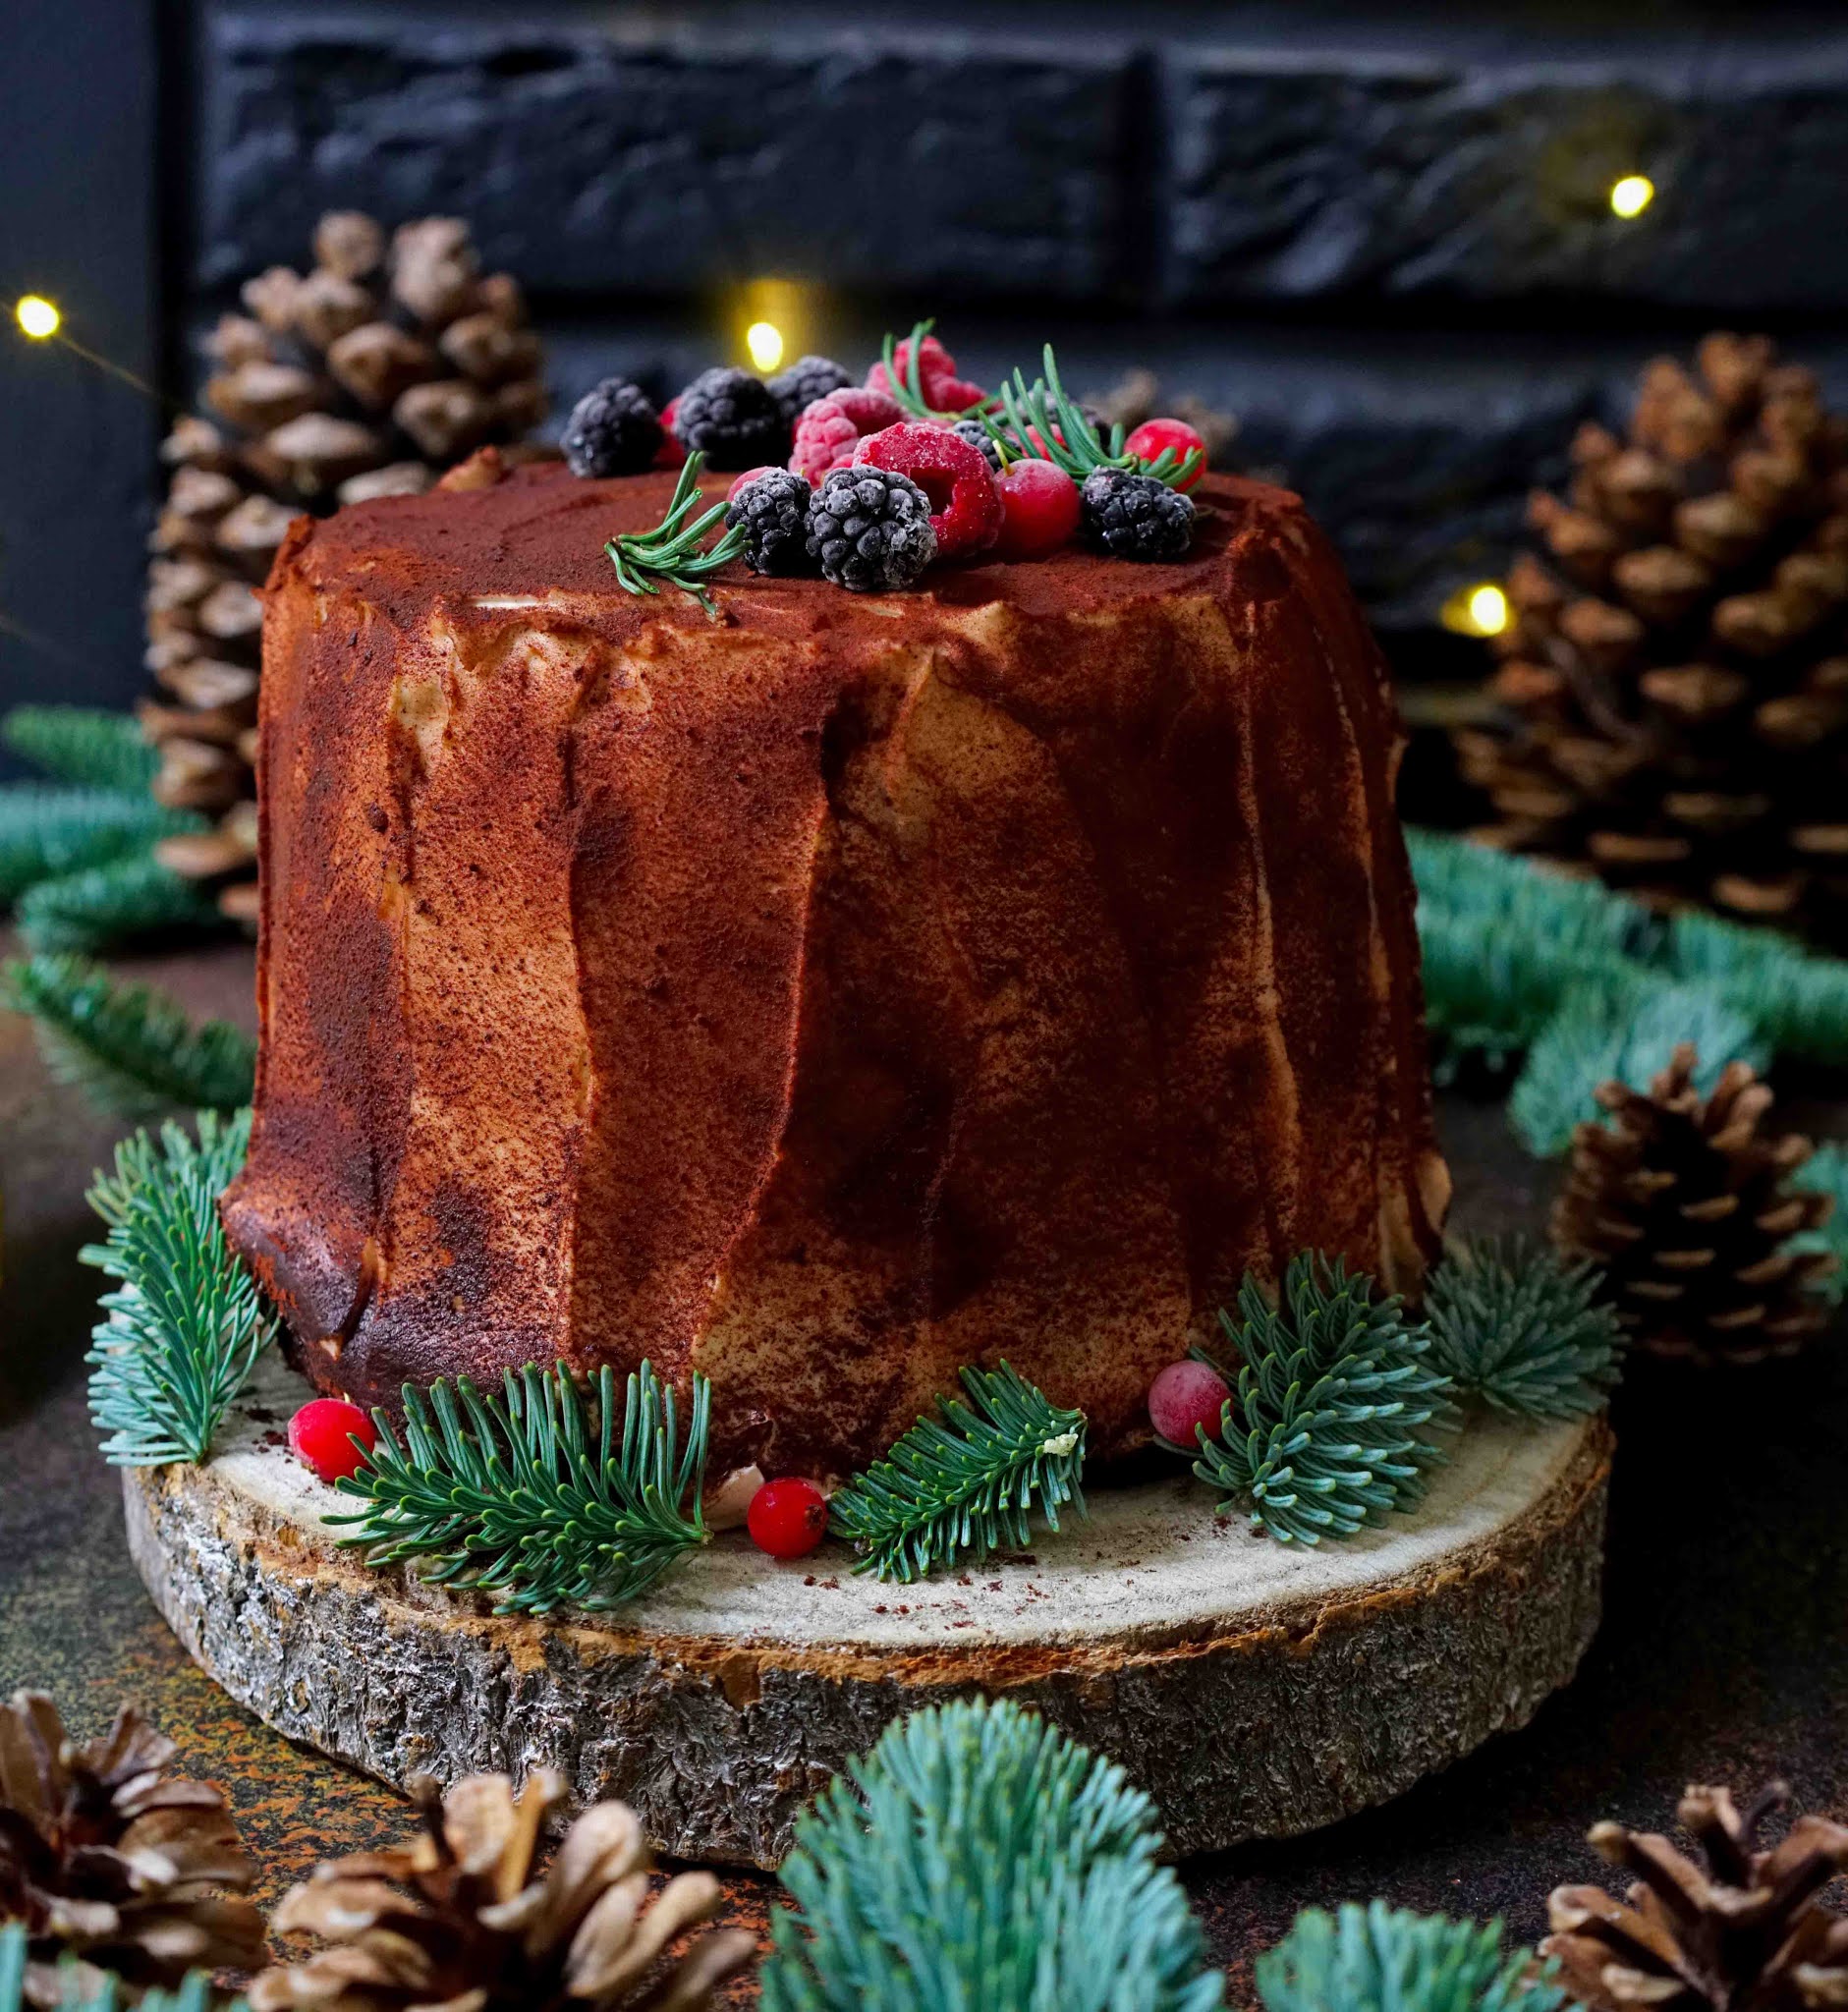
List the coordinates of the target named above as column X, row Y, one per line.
column 1040, row 509
column 1152, row 436
column 965, row 504
column 787, row 1518
column 321, row 1436
column 1185, row 1396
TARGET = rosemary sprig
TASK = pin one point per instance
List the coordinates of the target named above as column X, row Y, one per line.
column 1040, row 422
column 907, row 386
column 671, row 551
column 509, row 1493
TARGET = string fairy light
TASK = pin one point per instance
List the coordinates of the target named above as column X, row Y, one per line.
column 1480, row 610
column 38, row 316
column 39, row 319
column 1631, row 196
column 763, row 341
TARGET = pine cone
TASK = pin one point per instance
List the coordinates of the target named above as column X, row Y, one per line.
column 458, row 1920
column 366, row 376
column 106, row 1856
column 1674, row 691
column 1688, row 1211
column 1744, row 1934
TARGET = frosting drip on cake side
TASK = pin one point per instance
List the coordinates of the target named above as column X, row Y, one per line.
column 832, row 997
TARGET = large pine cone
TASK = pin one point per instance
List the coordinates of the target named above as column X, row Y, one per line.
column 1674, row 696
column 458, row 1920
column 366, row 376
column 1688, row 1212
column 108, row 1858
column 1741, row 1933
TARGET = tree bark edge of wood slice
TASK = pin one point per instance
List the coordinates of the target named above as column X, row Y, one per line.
column 1255, row 1690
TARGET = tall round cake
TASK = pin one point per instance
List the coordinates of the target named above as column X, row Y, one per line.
column 826, row 996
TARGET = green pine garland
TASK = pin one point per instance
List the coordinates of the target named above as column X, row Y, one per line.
column 1382, row 1959
column 1799, row 1000
column 83, row 743
column 978, row 1860
column 515, row 1494
column 82, row 1988
column 185, row 1324
column 1630, row 1037
column 1523, row 1328
column 1332, row 1389
column 129, row 1048
column 1826, row 1171
column 48, row 829
column 965, row 1486
column 101, row 907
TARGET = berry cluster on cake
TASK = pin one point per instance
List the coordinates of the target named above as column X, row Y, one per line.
column 667, row 956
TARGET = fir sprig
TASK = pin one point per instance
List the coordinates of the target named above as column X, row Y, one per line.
column 1038, row 420
column 517, row 1494
column 83, row 743
column 52, row 828
column 99, row 908
column 82, row 1988
column 1332, row 1389
column 131, row 1049
column 1523, row 1328
column 673, row 550
column 976, row 1858
column 906, row 386
column 186, row 1325
column 965, row 1486
column 1827, row 1172
column 1381, row 1959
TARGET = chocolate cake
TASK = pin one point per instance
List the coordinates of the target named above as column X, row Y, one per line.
column 832, row 995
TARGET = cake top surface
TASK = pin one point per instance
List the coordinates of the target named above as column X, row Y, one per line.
column 536, row 538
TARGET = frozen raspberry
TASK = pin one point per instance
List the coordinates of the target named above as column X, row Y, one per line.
column 670, row 453
column 831, row 427
column 1136, row 517
column 771, row 507
column 871, row 530
column 612, row 430
column 1186, row 1398
column 787, row 1519
column 806, row 380
column 936, row 366
column 870, row 410
column 732, row 417
column 1153, row 435
column 965, row 505
column 1040, row 509
column 321, row 1436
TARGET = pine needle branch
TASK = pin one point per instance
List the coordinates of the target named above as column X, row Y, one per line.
column 1332, row 1389
column 48, row 828
column 1381, row 1959
column 672, row 550
column 1038, row 420
column 977, row 1858
column 518, row 1495
column 1826, row 1171
column 186, row 1325
column 131, row 1049
column 1523, row 1328
column 964, row 1484
column 100, row 907
column 906, row 386
column 82, row 1988
column 83, row 743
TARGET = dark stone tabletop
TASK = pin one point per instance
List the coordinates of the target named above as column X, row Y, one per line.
column 1724, row 1656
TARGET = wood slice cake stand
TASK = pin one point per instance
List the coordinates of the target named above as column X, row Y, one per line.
column 1255, row 1689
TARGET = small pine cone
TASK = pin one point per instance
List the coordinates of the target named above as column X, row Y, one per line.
column 1690, row 1212
column 108, row 1858
column 1742, row 1932
column 459, row 1919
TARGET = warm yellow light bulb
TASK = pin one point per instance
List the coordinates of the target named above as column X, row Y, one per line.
column 1632, row 196
column 38, row 316
column 765, row 341
column 1480, row 610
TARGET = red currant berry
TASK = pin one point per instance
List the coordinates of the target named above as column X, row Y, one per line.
column 965, row 504
column 1040, row 509
column 1184, row 1396
column 321, row 1436
column 1152, row 436
column 787, row 1519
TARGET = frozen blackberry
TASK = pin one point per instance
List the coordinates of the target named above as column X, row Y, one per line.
column 979, row 439
column 773, row 512
column 613, row 430
column 806, row 380
column 1136, row 517
column 733, row 419
column 870, row 529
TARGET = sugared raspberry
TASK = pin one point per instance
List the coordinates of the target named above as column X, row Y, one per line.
column 870, row 410
column 787, row 1519
column 936, row 366
column 1153, row 435
column 965, row 505
column 321, row 1436
column 670, row 453
column 831, row 428
column 1040, row 509
column 1187, row 1396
